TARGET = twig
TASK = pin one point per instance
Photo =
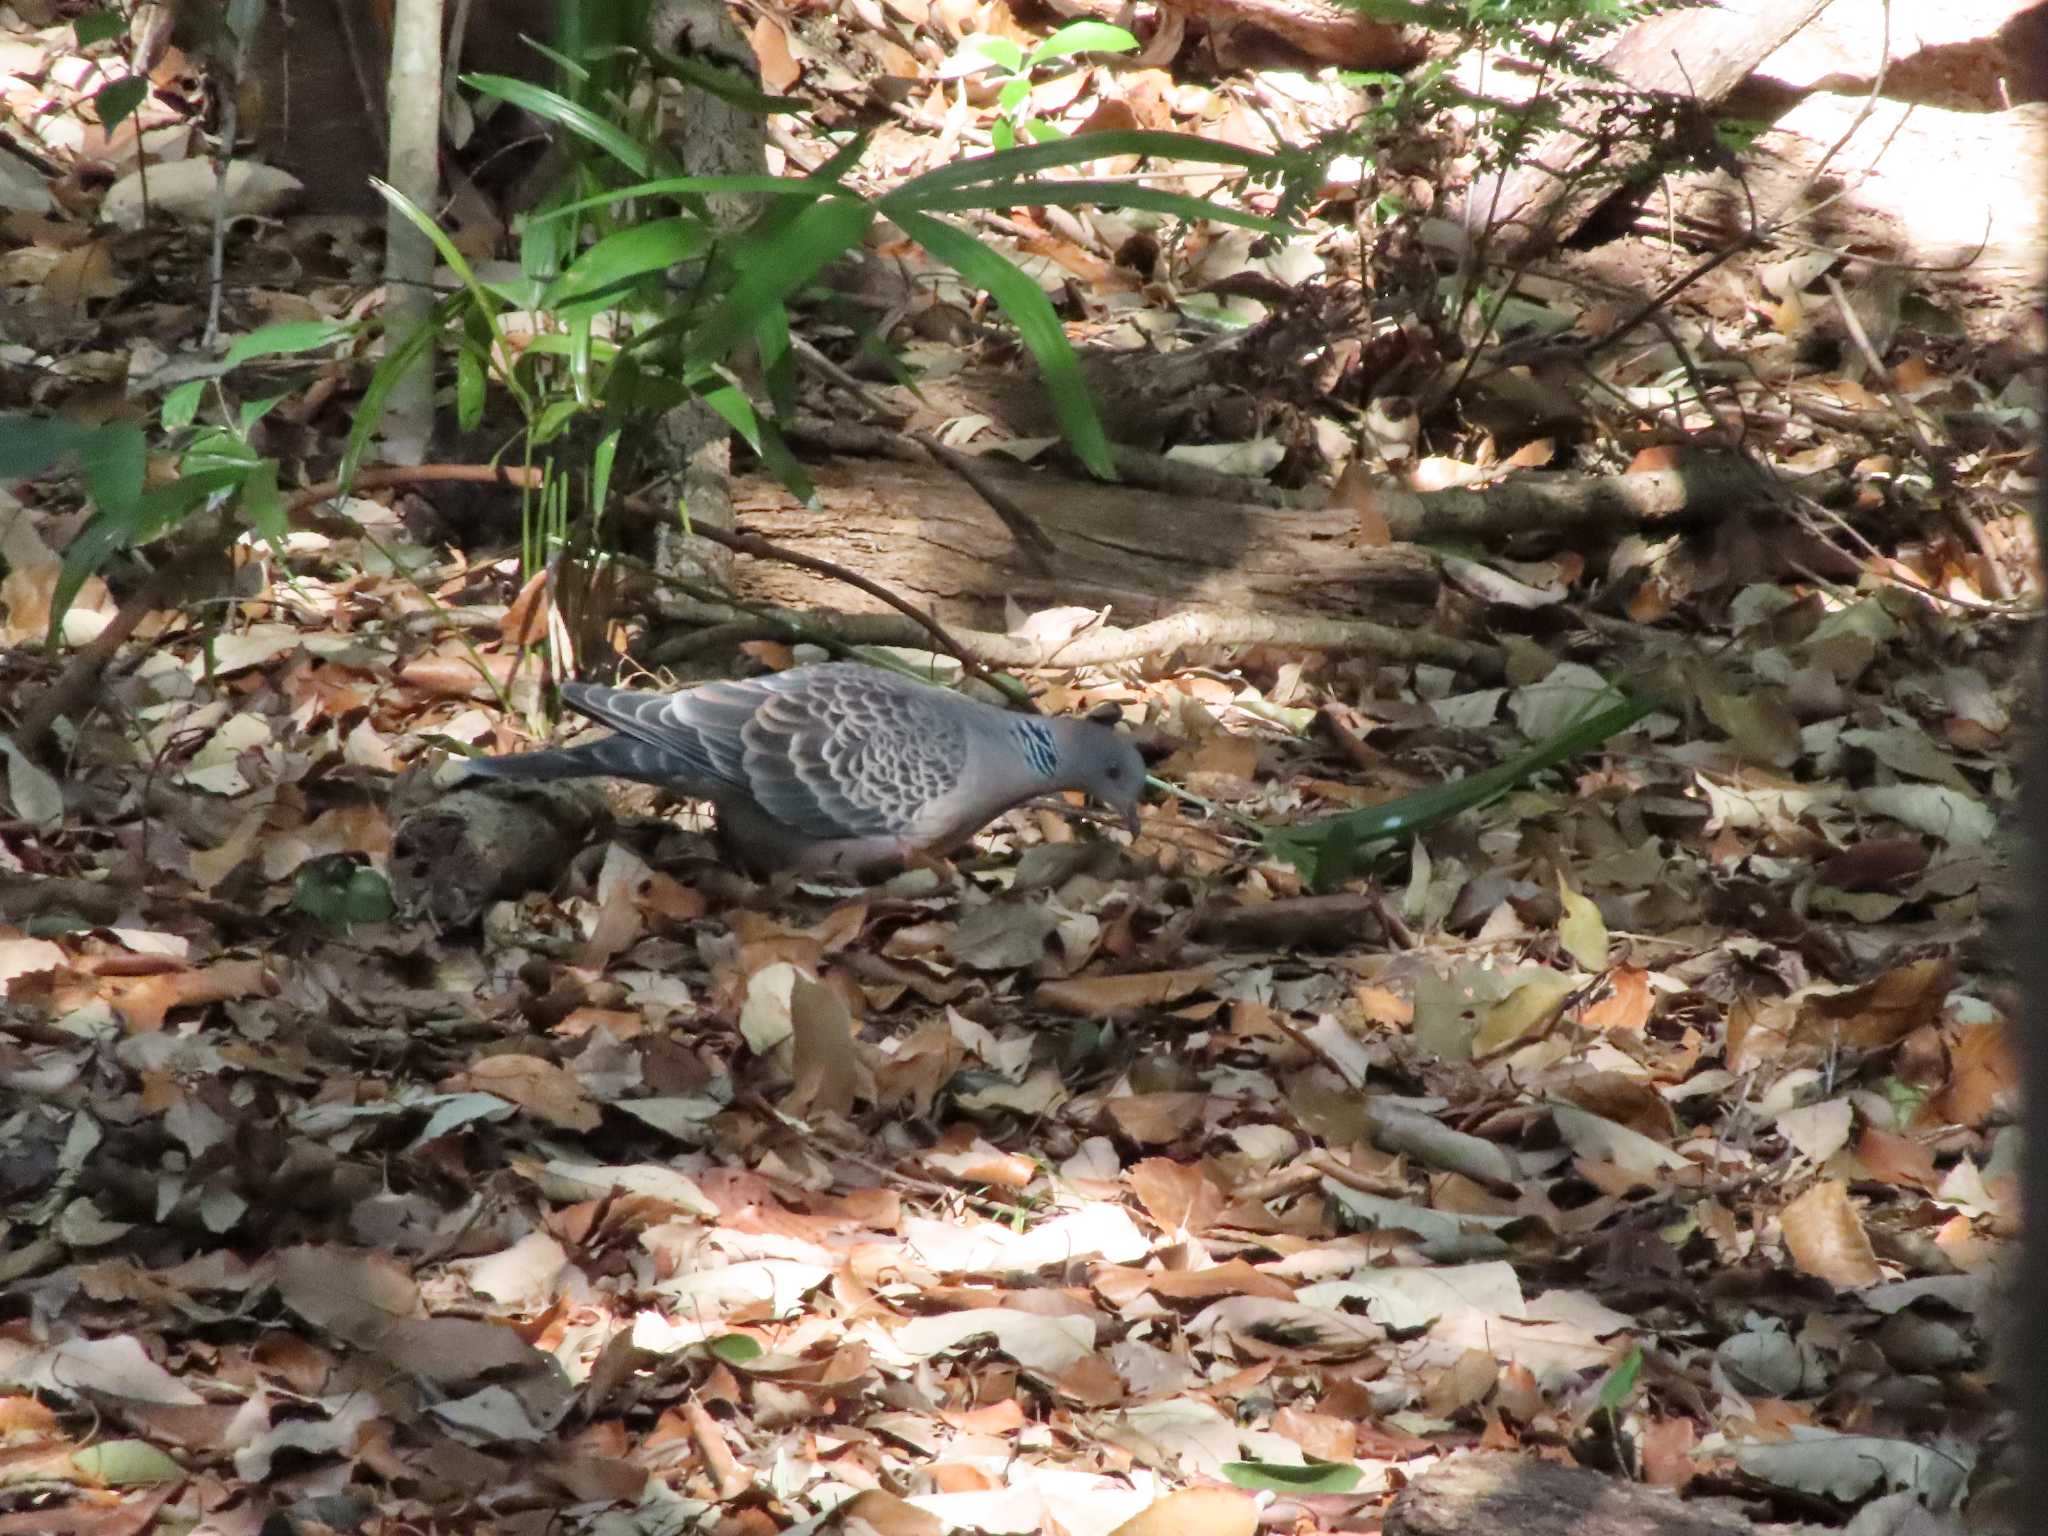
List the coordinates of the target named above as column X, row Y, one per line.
column 832, row 373
column 238, row 68
column 76, row 684
column 1347, row 741
column 1032, row 541
column 513, row 477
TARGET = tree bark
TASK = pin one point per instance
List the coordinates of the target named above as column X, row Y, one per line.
column 717, row 139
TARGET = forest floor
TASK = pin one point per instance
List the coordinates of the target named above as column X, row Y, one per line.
column 1653, row 1121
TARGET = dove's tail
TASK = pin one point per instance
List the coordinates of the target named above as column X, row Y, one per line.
column 618, row 757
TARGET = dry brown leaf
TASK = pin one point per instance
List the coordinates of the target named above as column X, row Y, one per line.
column 1666, row 1446
column 82, row 275
column 1624, row 1003
column 456, row 676
column 1896, row 1159
column 1519, row 1393
column 1880, row 1013
column 535, row 1085
column 779, row 68
column 1155, row 1118
column 142, row 1001
column 1462, row 1384
column 1983, row 1078
column 1176, row 1195
column 1324, row 1436
column 526, row 618
column 889, row 1515
column 1195, row 1512
column 1233, row 1277
column 1112, row 997
column 825, row 1057
column 1629, row 1101
column 980, row 1163
column 1005, row 1416
column 1093, row 1382
column 1825, row 1234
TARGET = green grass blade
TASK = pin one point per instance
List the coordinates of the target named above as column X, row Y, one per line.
column 1038, row 327
column 553, row 107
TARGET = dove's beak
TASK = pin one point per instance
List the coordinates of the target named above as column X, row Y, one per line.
column 1131, row 818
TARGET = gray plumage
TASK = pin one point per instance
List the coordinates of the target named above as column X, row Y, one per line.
column 838, row 768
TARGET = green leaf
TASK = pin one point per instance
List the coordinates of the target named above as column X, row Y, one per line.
column 262, row 507
column 783, row 464
column 769, row 271
column 99, row 27
column 243, row 17
column 31, row 444
column 1101, row 194
column 601, row 461
column 778, row 362
column 553, row 420
column 485, row 309
column 1038, row 327
column 126, row 1464
column 983, row 50
column 286, row 338
column 807, row 188
column 116, row 461
column 116, row 101
column 736, row 1348
column 252, row 411
column 180, row 407
column 732, row 404
column 621, row 259
column 128, row 524
column 470, row 388
column 398, row 361
column 1012, row 95
column 340, row 892
column 1329, row 850
column 1621, row 1380
column 551, row 107
column 1281, row 1477
column 216, row 448
column 1083, row 37
column 1015, row 164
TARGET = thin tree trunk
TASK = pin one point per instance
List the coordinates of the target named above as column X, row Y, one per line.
column 414, row 103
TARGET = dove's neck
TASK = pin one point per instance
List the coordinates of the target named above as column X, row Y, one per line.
column 1038, row 742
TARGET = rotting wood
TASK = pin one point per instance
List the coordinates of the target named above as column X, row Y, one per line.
column 1347, row 919
column 456, row 855
column 1500, row 1491
column 923, row 534
column 1148, row 556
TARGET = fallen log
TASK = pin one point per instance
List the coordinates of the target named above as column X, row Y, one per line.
column 1694, row 56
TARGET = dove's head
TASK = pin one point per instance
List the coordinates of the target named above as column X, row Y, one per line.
column 1105, row 764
